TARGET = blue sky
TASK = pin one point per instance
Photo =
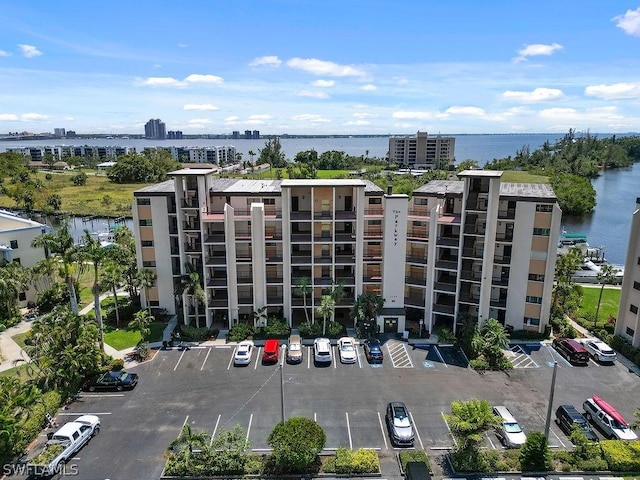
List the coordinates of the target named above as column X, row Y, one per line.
column 321, row 67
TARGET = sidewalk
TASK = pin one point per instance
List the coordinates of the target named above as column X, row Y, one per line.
column 10, row 350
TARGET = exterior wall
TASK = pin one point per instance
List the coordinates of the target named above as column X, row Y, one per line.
column 628, row 321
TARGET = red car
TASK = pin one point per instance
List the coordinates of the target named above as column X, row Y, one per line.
column 271, row 351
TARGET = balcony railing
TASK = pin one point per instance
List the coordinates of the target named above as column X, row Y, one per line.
column 503, row 237
column 502, row 259
column 445, row 287
column 446, row 265
column 274, row 258
column 301, row 237
column 346, row 280
column 190, row 226
column 472, row 253
column 323, row 238
column 298, row 259
column 215, row 238
column 415, row 280
column 192, row 247
column 499, row 302
column 347, row 258
column 245, row 279
column 274, row 279
column 508, row 214
column 443, row 309
column 346, row 237
column 217, row 282
column 414, row 301
column 448, row 241
column 275, row 300
column 216, row 260
column 421, row 259
column 374, row 211
column 500, row 281
column 323, row 259
column 301, row 215
column 471, row 275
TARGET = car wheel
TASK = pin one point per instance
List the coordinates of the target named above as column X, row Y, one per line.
column 503, row 441
column 92, row 388
column 96, row 431
column 588, row 416
column 119, row 388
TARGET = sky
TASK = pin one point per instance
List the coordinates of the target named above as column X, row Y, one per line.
column 321, row 66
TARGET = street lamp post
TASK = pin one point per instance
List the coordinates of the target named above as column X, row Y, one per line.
column 550, row 406
column 282, row 382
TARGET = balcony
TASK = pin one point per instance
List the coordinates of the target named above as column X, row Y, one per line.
column 420, row 211
column 468, row 297
column 219, row 301
column 504, row 237
column 346, row 280
column 243, row 257
column 301, row 237
column 445, row 287
column 443, row 309
column 421, row 259
column 502, row 259
column 345, row 215
column 500, row 281
column 323, row 259
column 414, row 301
column 270, row 234
column 474, row 230
column 274, row 278
column 325, row 237
column 346, row 258
column 374, row 211
column 508, row 214
column 244, row 235
column 472, row 253
column 471, row 275
column 372, row 278
column 321, row 281
column 414, row 280
column 277, row 258
column 370, row 233
column 215, row 238
column 245, row 300
column 190, row 203
column 216, row 259
column 346, row 237
column 217, row 282
column 275, row 300
column 192, row 247
column 499, row 302
column 245, row 280
column 300, row 259
column 447, row 264
column 448, row 242
column 301, row 215
column 190, row 226
column 322, row 215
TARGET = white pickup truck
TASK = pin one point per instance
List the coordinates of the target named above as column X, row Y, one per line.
column 51, row 457
column 607, row 419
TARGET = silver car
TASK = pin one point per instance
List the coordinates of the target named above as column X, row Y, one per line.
column 399, row 424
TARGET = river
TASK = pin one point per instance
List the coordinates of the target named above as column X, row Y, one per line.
column 608, row 226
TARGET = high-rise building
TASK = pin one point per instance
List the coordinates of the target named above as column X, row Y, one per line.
column 59, row 132
column 235, row 135
column 422, row 151
column 474, row 247
column 628, row 321
column 256, row 135
column 248, row 135
column 174, row 135
column 155, row 129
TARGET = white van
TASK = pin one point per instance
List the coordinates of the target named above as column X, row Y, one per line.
column 509, row 431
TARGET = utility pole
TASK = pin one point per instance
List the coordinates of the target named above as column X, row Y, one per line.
column 550, row 406
column 282, row 381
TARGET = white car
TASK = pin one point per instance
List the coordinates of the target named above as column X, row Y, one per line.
column 600, row 351
column 347, row 350
column 322, row 350
column 243, row 353
column 509, row 431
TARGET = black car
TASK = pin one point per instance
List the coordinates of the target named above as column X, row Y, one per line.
column 567, row 416
column 111, row 381
column 373, row 351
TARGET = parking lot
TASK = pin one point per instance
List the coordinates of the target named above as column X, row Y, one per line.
column 201, row 387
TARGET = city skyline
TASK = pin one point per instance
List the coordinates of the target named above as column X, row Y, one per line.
column 322, row 68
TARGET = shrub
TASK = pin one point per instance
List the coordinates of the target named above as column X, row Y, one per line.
column 296, row 443
column 79, row 179
column 190, row 333
column 277, row 328
column 32, row 424
column 535, row 455
column 479, row 364
column 407, row 456
column 335, row 329
column 361, row 461
column 239, row 332
column 3, row 327
column 621, row 456
column 310, row 331
column 50, row 298
column 116, row 365
column 142, row 351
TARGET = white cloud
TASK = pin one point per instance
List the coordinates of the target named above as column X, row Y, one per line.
column 368, row 87
column 322, row 67
column 260, row 117
column 537, row 49
column 199, row 78
column 194, row 78
column 199, row 106
column 312, row 94
column 182, row 45
column 29, row 51
column 411, row 115
column 8, row 117
column 201, row 120
column 33, row 116
column 629, row 22
column 356, row 123
column 232, row 120
column 308, row 117
column 614, row 91
column 160, row 82
column 323, row 83
column 477, row 111
column 4, row 53
column 401, row 80
column 364, row 115
column 537, row 95
column 266, row 61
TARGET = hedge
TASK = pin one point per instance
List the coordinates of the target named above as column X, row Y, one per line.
column 36, row 420
column 621, row 456
column 360, row 461
column 407, row 456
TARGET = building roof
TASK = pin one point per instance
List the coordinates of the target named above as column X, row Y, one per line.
column 542, row 191
column 480, row 173
column 441, row 187
column 159, row 188
column 338, row 182
column 10, row 222
column 193, row 171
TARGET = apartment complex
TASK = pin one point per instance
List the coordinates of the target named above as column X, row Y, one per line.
column 16, row 236
column 155, row 129
column 422, row 151
column 628, row 321
column 474, row 246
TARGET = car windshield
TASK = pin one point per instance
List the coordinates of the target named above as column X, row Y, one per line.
column 243, row 351
column 512, row 427
column 347, row 347
column 294, row 347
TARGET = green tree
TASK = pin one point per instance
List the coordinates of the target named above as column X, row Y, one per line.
column 467, row 165
column 251, row 155
column 79, row 179
column 14, row 279
column 112, row 276
column 126, row 256
column 535, row 455
column 61, row 244
column 54, row 202
column 191, row 285
column 272, row 154
column 141, row 321
column 325, row 310
column 563, row 289
column 190, row 440
column 606, row 276
column 296, row 444
column 91, row 251
column 145, row 280
column 469, row 420
column 230, row 447
column 365, row 311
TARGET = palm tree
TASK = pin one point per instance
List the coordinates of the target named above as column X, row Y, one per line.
column 61, row 243
column 606, row 276
column 44, row 272
column 112, row 276
column 191, row 284
column 251, row 155
column 140, row 322
column 14, row 279
column 469, row 421
column 325, row 309
column 303, row 288
column 146, row 279
column 91, row 251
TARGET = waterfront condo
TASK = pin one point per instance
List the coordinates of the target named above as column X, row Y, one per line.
column 474, row 246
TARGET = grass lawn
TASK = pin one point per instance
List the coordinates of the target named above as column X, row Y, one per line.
column 21, row 371
column 121, row 338
column 516, row 176
column 19, row 339
column 88, row 199
column 608, row 305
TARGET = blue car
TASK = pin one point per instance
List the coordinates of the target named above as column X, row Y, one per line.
column 373, row 351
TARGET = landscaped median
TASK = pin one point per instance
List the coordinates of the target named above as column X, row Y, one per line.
column 296, row 449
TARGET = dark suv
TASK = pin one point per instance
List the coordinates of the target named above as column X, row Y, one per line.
column 373, row 351
column 572, row 350
column 567, row 416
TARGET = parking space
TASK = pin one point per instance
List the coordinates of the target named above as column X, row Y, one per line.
column 520, row 355
column 201, row 386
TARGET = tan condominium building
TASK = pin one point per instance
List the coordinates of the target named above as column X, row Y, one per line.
column 422, row 151
column 474, row 246
column 628, row 321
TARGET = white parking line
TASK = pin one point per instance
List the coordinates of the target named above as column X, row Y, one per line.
column 450, row 433
column 551, row 351
column 98, row 395
column 384, row 437
column 205, row 359
column 491, row 442
column 224, row 346
column 257, row 358
column 349, row 431
column 80, row 413
column 178, row 363
column 439, row 355
column 231, row 359
column 592, row 360
column 358, row 357
column 309, row 355
column 213, row 434
column 416, row 429
column 335, row 359
column 249, row 428
column 184, row 423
